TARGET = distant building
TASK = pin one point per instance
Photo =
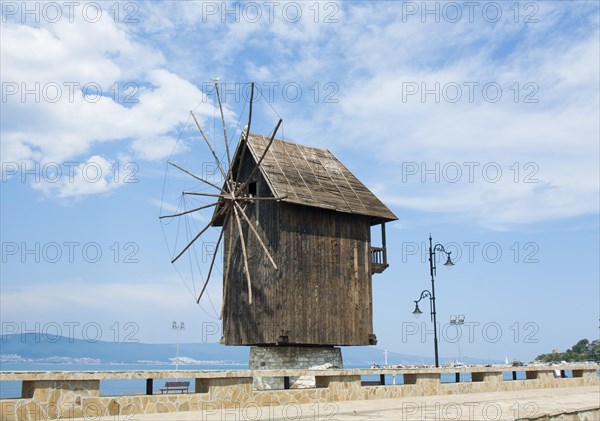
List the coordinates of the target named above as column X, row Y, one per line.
column 556, row 351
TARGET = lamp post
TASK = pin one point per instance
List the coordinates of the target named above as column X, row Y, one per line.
column 458, row 321
column 178, row 328
column 431, row 294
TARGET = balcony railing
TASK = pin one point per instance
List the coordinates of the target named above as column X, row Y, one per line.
column 378, row 259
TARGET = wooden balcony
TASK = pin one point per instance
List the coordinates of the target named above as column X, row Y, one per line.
column 378, row 259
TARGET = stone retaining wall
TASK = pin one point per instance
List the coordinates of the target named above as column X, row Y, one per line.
column 76, row 394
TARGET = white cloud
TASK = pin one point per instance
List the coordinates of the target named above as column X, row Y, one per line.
column 370, row 54
column 68, row 302
column 157, row 148
column 558, row 133
column 142, row 105
column 258, row 73
column 101, row 52
column 94, row 176
column 65, row 130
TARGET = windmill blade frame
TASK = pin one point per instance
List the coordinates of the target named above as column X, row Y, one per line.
column 244, row 254
column 209, row 145
column 212, row 263
column 194, row 175
column 247, row 130
column 189, row 211
column 261, row 158
column 232, row 201
column 256, row 234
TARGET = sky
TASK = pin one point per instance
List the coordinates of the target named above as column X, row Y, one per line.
column 477, row 122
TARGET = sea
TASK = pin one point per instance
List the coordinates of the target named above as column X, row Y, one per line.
column 12, row 389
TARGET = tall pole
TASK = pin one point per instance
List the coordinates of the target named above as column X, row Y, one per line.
column 177, row 353
column 459, row 335
column 177, row 327
column 458, row 321
column 432, row 298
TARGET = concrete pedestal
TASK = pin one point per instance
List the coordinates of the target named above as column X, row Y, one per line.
column 288, row 357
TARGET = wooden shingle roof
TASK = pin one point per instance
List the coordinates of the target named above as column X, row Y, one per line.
column 311, row 176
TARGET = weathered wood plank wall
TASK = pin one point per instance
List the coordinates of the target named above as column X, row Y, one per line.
column 321, row 293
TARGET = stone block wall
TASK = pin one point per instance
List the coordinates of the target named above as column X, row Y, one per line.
column 75, row 395
column 290, row 358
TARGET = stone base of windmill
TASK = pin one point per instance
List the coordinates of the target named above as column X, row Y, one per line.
column 289, row 358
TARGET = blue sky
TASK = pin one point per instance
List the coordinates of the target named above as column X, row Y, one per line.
column 478, row 124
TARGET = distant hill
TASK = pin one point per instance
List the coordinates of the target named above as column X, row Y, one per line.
column 584, row 350
column 46, row 348
column 40, row 348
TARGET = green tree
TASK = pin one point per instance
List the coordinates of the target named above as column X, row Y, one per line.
column 581, row 351
column 580, row 347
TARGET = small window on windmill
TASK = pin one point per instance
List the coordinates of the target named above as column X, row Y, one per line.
column 252, row 188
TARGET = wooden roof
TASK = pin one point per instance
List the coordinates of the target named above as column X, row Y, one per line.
column 314, row 177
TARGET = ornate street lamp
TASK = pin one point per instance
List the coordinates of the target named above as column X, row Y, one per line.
column 431, row 294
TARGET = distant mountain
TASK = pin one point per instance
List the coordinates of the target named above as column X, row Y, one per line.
column 41, row 348
column 47, row 349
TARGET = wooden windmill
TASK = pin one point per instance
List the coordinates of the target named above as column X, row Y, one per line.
column 296, row 237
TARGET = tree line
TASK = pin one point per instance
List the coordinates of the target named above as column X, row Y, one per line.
column 584, row 350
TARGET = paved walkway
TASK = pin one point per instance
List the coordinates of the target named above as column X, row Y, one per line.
column 527, row 404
